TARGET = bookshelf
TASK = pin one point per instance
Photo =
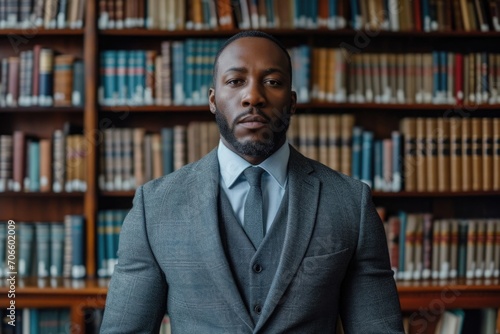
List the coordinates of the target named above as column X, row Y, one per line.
column 87, row 43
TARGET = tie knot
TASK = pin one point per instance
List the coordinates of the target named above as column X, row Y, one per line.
column 253, row 175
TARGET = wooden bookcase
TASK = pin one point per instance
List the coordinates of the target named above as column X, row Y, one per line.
column 87, row 44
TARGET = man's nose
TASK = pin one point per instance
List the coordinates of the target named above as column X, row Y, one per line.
column 253, row 95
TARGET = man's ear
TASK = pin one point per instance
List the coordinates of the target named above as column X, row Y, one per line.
column 211, row 100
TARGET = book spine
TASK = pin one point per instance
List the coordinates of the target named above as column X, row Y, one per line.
column 46, row 78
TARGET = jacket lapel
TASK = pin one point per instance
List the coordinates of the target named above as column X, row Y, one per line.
column 302, row 208
column 204, row 189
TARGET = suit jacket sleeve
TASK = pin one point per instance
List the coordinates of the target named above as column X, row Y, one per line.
column 369, row 300
column 137, row 293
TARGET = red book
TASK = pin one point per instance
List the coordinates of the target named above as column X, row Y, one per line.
column 418, row 15
column 459, row 78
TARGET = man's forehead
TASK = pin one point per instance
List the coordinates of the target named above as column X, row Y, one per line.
column 253, row 47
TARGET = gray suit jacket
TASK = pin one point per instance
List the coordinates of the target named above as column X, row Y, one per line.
column 334, row 260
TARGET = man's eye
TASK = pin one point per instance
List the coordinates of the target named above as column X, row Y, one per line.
column 272, row 82
column 234, row 82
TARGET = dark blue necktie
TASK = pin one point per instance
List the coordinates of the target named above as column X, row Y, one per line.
column 253, row 223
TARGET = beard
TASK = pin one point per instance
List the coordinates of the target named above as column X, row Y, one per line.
column 269, row 141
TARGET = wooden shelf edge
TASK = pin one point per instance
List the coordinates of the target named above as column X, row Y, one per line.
column 295, row 32
column 315, row 105
column 409, row 194
column 42, row 194
column 57, row 286
column 375, row 194
column 40, row 31
column 41, row 110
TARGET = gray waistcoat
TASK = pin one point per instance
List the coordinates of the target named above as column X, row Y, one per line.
column 253, row 270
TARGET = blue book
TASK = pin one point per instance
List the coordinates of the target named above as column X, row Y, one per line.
column 121, row 77
column 355, row 15
column 110, row 86
column 305, row 74
column 140, row 76
column 198, row 56
column 78, row 91
column 357, row 142
column 402, row 243
column 378, row 162
column 56, row 249
column 271, row 23
column 367, row 158
column 109, row 241
column 332, row 14
column 43, row 249
column 313, row 15
column 397, row 161
column 131, row 59
column 167, row 150
column 189, row 70
column 34, row 165
column 426, row 15
column 25, row 240
column 102, row 270
column 34, row 321
column 78, row 269
column 178, row 72
column 118, row 217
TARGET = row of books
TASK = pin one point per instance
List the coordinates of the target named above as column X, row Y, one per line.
column 32, row 164
column 47, row 249
column 109, row 223
column 221, row 14
column 452, row 321
column 451, row 154
column 182, row 74
column 421, row 247
column 425, row 15
column 438, row 77
column 132, row 156
column 372, row 15
column 36, row 14
column 40, row 77
column 425, row 155
column 37, row 321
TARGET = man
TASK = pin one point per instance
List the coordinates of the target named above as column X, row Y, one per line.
column 223, row 253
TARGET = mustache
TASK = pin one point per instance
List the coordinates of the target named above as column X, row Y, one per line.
column 249, row 112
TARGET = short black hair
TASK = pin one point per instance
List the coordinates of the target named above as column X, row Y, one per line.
column 250, row 33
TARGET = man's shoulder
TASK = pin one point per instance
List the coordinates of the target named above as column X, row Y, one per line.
column 179, row 178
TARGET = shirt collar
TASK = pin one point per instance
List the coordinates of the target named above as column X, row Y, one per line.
column 232, row 165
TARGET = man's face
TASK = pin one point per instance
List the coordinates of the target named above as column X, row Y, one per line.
column 252, row 99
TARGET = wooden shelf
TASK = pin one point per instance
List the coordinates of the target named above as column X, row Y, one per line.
column 317, row 106
column 154, row 109
column 415, row 194
column 31, row 31
column 20, row 194
column 56, row 286
column 375, row 194
column 298, row 32
column 457, row 293
column 41, row 110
